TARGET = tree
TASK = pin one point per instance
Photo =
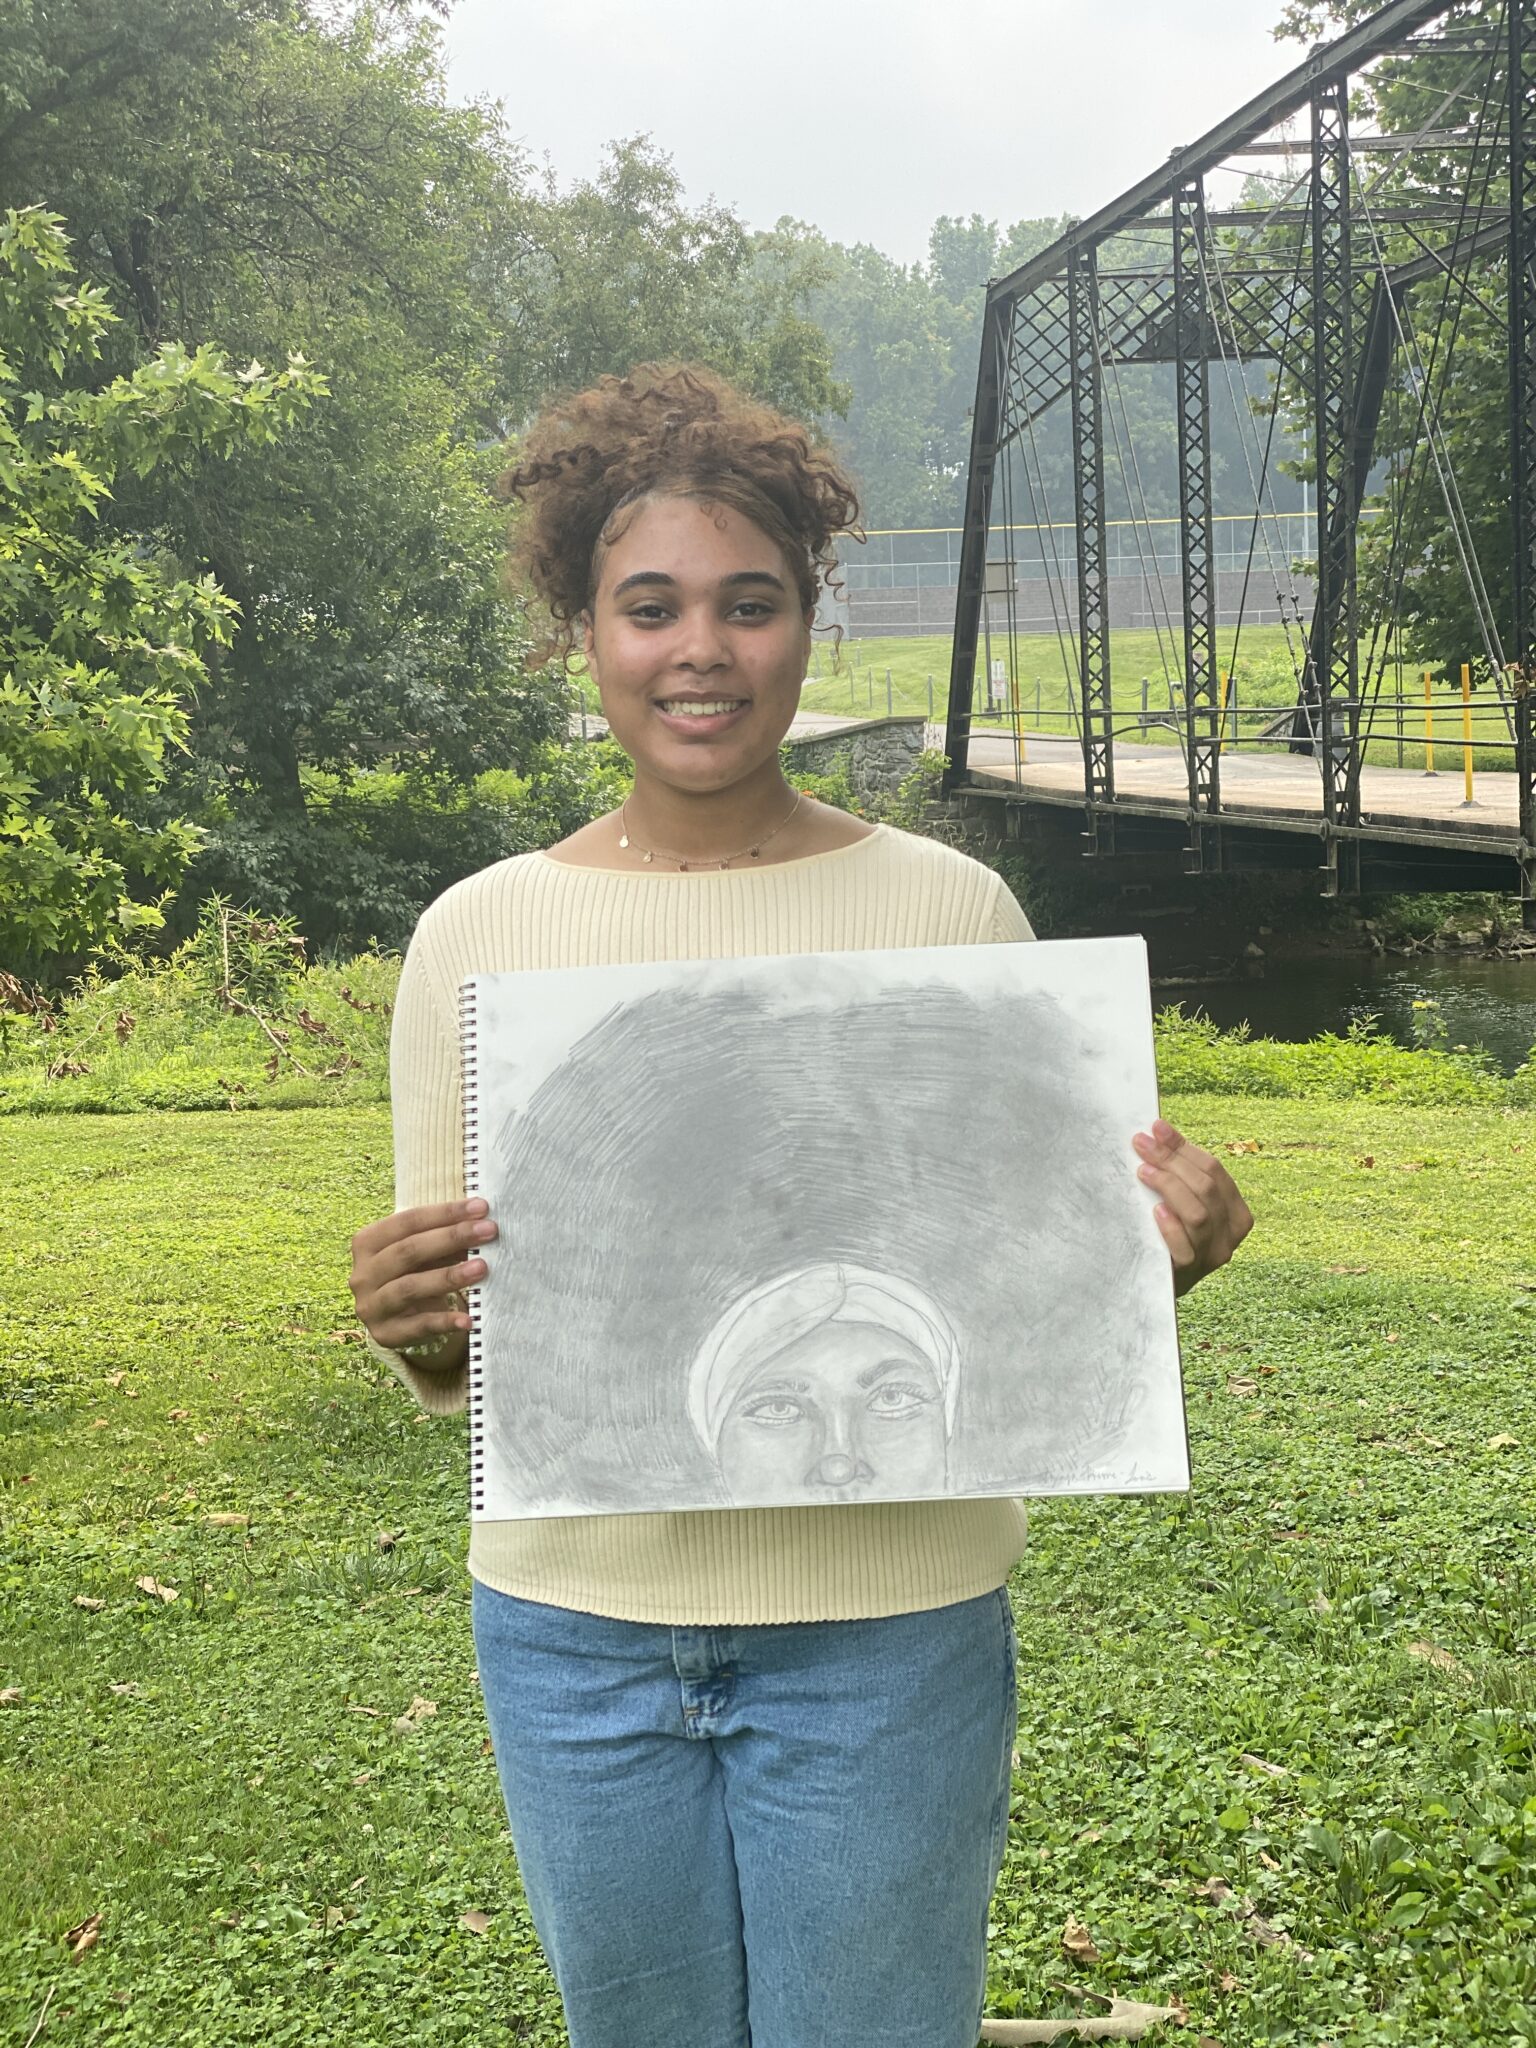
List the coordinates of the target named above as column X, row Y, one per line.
column 619, row 270
column 102, row 638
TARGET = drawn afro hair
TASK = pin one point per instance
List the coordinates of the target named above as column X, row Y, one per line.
column 674, row 430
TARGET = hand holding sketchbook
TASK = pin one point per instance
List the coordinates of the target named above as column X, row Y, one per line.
column 817, row 1228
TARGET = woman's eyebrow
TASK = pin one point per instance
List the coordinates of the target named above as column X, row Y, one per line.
column 882, row 1366
column 779, row 1386
column 658, row 578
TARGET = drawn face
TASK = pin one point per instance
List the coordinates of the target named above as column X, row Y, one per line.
column 698, row 644
column 848, row 1411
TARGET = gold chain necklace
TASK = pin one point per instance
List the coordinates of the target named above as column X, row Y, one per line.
column 650, row 853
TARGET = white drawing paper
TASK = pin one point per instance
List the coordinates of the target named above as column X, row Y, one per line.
column 818, row 1229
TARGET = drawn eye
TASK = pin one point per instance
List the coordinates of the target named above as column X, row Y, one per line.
column 895, row 1400
column 777, row 1411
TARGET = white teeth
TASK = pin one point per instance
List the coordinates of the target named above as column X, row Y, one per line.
column 689, row 709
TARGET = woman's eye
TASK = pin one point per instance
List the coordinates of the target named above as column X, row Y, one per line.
column 753, row 608
column 647, row 614
column 895, row 1399
column 776, row 1409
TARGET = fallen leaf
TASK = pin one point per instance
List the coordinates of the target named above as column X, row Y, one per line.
column 177, row 1414
column 128, row 1689
column 475, row 1923
column 1504, row 1442
column 1245, row 1145
column 1126, row 2020
column 1078, row 1942
column 98, row 1422
column 10, row 1696
column 1257, row 1763
column 373, row 1713
column 417, row 1712
column 362, row 1777
column 1242, row 1386
column 1321, row 1604
column 335, row 1915
column 115, row 1379
column 1091, row 1835
column 410, row 1592
column 201, row 1437
column 83, row 1936
column 159, row 1592
column 1431, row 1653
column 1215, row 1889
column 228, row 1521
column 1268, row 1861
column 1391, row 1336
column 388, row 1538
column 91, row 1606
column 1226, row 1982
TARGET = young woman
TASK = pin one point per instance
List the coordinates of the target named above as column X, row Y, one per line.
column 756, row 1762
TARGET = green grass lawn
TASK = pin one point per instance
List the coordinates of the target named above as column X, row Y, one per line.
column 852, row 680
column 1276, row 1742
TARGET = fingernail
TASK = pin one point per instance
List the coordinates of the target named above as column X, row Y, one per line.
column 476, row 1206
column 1145, row 1172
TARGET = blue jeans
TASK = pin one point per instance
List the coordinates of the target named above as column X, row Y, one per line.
column 784, row 1835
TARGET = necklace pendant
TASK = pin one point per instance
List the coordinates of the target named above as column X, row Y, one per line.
column 682, row 867
column 648, row 858
column 753, row 851
column 623, row 839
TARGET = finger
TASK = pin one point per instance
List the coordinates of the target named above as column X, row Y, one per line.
column 395, row 1332
column 422, row 1293
column 373, row 1237
column 1176, row 1237
column 1189, row 1201
column 427, row 1249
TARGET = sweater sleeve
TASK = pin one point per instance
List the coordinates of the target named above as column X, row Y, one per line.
column 425, row 1095
column 1009, row 923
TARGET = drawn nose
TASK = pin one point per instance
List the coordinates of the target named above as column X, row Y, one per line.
column 838, row 1469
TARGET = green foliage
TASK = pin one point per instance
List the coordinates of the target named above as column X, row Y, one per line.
column 1237, row 1762
column 1192, row 1054
column 103, row 641
column 620, row 270
column 904, row 807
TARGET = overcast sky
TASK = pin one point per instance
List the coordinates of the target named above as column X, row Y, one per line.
column 871, row 117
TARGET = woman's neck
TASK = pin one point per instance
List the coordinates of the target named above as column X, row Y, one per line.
column 710, row 825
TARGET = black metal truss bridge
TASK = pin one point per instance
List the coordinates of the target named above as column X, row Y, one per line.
column 1300, row 280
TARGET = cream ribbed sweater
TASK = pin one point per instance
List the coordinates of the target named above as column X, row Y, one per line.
column 723, row 1566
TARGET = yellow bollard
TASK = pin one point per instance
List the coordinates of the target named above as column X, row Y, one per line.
column 1018, row 736
column 1466, row 729
column 1221, row 713
column 1429, row 727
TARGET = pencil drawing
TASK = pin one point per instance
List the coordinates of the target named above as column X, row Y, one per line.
column 835, row 1228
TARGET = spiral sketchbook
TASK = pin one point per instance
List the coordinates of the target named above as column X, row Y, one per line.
column 817, row 1230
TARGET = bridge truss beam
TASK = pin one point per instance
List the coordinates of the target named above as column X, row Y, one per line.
column 1296, row 292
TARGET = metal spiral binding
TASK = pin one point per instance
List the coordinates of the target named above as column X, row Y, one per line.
column 470, row 1068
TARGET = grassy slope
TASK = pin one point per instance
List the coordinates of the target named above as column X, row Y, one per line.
column 856, row 686
column 273, row 1867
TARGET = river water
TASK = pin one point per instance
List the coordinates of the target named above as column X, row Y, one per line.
column 1484, row 1002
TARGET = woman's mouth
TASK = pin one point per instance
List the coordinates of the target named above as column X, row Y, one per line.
column 701, row 714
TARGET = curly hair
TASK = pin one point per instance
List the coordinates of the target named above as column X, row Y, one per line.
column 675, row 430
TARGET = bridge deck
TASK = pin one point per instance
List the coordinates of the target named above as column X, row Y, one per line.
column 1279, row 790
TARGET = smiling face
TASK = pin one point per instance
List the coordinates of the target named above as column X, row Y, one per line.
column 844, row 1412
column 698, row 644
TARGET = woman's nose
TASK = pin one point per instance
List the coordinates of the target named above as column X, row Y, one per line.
column 837, row 1468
